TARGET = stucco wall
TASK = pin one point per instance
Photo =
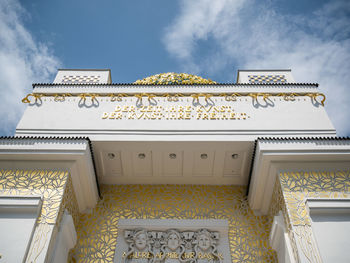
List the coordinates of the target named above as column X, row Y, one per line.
column 97, row 232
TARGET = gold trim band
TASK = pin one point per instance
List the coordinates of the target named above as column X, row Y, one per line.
column 319, row 98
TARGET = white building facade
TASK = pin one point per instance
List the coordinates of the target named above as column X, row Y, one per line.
column 175, row 168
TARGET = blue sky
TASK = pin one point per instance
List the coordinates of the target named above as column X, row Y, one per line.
column 139, row 38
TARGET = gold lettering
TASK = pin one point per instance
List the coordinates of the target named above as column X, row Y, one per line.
column 172, row 115
column 159, row 255
column 171, row 255
column 189, row 255
column 140, row 116
column 207, row 109
column 132, row 116
column 180, row 116
column 224, row 116
column 119, row 116
column 112, row 115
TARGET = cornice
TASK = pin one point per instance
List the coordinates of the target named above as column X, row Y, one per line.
column 68, row 153
column 273, row 155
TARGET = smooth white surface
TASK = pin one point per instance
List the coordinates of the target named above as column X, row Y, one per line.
column 187, row 168
column 331, row 227
column 66, row 239
column 59, row 117
column 18, row 216
column 301, row 117
column 104, row 74
column 242, row 75
column 279, row 240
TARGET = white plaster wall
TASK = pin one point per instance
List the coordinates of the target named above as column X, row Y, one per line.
column 243, row 75
column 300, row 117
column 332, row 236
column 15, row 236
column 17, row 221
column 104, row 74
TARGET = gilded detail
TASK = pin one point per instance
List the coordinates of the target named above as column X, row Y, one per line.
column 97, row 232
column 47, row 184
column 174, row 78
column 257, row 97
column 69, row 202
column 56, row 191
column 296, row 188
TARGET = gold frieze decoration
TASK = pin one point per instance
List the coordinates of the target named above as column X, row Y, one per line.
column 316, row 98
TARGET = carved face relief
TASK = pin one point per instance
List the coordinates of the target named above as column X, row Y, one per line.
column 141, row 241
column 204, row 242
column 173, row 241
column 171, row 246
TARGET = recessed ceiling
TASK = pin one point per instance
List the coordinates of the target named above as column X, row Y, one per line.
column 218, row 163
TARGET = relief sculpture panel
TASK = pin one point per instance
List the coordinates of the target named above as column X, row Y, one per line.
column 171, row 246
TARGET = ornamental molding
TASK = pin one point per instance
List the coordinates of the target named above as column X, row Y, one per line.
column 172, row 245
column 273, row 158
column 55, row 154
column 172, row 241
column 37, row 98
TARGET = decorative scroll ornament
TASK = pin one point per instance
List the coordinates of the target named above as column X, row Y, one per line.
column 171, row 246
column 316, row 98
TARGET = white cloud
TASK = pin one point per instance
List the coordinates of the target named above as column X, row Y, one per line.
column 22, row 62
column 315, row 46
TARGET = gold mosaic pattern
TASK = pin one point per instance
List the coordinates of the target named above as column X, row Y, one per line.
column 306, row 243
column 298, row 186
column 48, row 184
column 278, row 204
column 56, row 191
column 97, row 232
column 174, row 78
column 70, row 202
